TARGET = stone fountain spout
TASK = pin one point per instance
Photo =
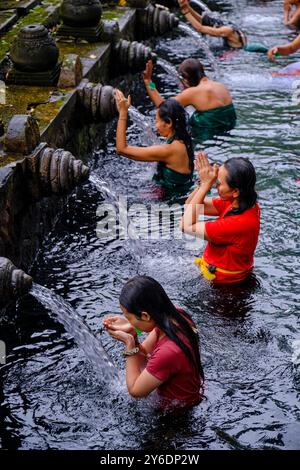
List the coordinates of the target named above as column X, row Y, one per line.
column 13, row 282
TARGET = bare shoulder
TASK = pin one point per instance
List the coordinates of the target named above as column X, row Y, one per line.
column 186, row 96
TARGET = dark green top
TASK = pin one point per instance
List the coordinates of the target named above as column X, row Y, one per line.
column 169, row 178
column 207, row 124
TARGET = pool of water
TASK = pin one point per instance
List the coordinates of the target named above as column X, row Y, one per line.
column 52, row 397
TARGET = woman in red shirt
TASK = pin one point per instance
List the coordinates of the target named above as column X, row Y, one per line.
column 168, row 360
column 232, row 238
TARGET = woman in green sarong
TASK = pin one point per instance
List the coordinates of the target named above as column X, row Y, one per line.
column 214, row 111
column 211, row 23
column 175, row 158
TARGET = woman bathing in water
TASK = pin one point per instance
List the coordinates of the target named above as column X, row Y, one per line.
column 214, row 111
column 206, row 22
column 175, row 158
column 233, row 236
column 168, row 360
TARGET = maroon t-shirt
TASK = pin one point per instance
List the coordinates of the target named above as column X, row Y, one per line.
column 170, row 364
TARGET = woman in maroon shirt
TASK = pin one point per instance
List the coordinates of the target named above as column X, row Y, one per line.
column 168, row 360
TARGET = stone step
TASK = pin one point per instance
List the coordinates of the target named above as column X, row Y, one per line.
column 22, row 6
column 7, row 19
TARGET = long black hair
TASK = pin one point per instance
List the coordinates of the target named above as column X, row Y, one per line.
column 172, row 111
column 192, row 71
column 241, row 175
column 145, row 294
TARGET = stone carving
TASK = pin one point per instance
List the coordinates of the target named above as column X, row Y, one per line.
column 13, row 282
column 98, row 100
column 81, row 12
column 22, row 135
column 154, row 21
column 81, row 19
column 131, row 56
column 59, row 172
column 71, row 71
column 34, row 49
column 34, row 55
column 111, row 31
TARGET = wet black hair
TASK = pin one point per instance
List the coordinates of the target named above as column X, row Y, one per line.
column 172, row 111
column 192, row 71
column 212, row 19
column 145, row 294
column 215, row 20
column 241, row 175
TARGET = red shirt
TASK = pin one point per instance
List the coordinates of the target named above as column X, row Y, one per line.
column 171, row 365
column 233, row 240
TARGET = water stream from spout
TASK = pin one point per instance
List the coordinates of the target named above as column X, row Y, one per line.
column 202, row 45
column 145, row 125
column 120, row 206
column 169, row 68
column 60, row 310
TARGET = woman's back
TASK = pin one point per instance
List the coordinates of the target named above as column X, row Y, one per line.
column 209, row 95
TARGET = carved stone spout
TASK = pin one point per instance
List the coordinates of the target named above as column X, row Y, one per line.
column 98, row 100
column 154, row 21
column 130, row 56
column 59, row 172
column 13, row 281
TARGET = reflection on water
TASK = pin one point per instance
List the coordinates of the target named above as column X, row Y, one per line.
column 51, row 396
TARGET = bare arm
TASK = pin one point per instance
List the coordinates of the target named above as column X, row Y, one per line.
column 223, row 31
column 186, row 8
column 154, row 153
column 295, row 18
column 153, row 94
column 189, row 223
column 208, row 175
column 185, row 98
column 286, row 49
column 139, row 384
column 149, row 343
column 287, row 10
column 209, row 208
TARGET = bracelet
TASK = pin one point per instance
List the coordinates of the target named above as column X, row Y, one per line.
column 122, row 118
column 151, row 85
column 131, row 352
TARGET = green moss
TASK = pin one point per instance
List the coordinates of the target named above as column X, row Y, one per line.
column 83, row 49
column 37, row 101
column 39, row 14
column 114, row 13
column 6, row 159
column 45, row 113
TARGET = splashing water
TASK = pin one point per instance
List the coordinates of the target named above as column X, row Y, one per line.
column 126, row 226
column 145, row 125
column 296, row 352
column 65, row 314
column 170, row 69
column 202, row 45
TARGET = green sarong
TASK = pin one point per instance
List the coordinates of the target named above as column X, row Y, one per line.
column 207, row 124
column 255, row 47
column 172, row 179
